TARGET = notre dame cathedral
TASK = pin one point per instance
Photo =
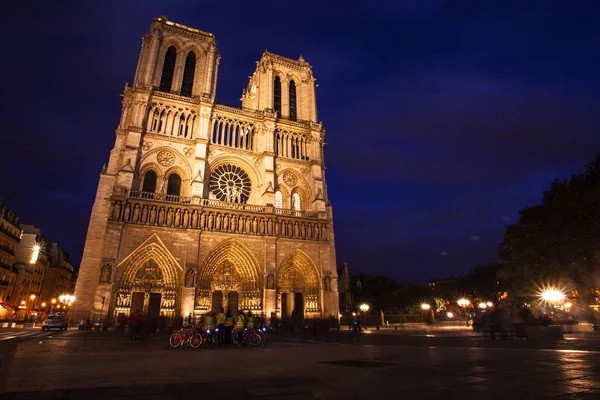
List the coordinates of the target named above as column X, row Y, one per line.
column 203, row 206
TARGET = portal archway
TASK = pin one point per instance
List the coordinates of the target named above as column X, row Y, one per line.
column 148, row 281
column 298, row 286
column 229, row 277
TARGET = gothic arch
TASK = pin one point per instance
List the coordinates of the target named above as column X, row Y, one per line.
column 298, row 269
column 152, row 249
column 235, row 253
column 150, row 268
column 180, row 160
column 301, row 187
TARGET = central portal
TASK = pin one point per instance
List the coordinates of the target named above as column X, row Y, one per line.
column 154, row 305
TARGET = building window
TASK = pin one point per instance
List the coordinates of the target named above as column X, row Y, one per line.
column 188, row 74
column 277, row 96
column 278, row 199
column 296, row 202
column 149, row 184
column 293, row 112
column 174, row 185
column 166, row 79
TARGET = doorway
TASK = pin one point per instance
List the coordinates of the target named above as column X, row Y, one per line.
column 137, row 303
column 299, row 304
column 154, row 305
column 232, row 302
column 217, row 301
column 284, row 303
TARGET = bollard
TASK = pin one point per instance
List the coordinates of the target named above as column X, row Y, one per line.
column 8, row 347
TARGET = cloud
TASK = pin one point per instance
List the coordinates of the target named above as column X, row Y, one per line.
column 444, row 253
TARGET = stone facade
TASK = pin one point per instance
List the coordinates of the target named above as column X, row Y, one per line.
column 10, row 237
column 203, row 206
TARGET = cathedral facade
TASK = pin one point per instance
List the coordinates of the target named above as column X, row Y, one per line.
column 204, row 206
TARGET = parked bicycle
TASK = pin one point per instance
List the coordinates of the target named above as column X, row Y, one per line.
column 188, row 336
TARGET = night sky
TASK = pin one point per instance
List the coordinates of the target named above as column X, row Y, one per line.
column 443, row 118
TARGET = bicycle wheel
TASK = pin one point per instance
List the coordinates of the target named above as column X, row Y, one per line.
column 209, row 340
column 235, row 339
column 195, row 340
column 253, row 339
column 176, row 340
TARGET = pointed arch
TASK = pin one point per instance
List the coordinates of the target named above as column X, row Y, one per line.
column 153, row 249
column 292, row 102
column 188, row 74
column 299, row 272
column 166, row 79
column 277, row 95
column 231, row 253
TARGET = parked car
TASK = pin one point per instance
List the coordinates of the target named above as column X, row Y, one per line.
column 55, row 322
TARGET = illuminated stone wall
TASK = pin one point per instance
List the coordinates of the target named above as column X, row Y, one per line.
column 222, row 229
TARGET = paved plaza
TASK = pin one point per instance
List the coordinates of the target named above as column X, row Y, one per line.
column 89, row 365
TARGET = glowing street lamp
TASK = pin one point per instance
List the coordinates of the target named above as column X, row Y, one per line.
column 483, row 305
column 489, row 304
column 425, row 307
column 463, row 302
column 364, row 308
column 553, row 295
column 450, row 315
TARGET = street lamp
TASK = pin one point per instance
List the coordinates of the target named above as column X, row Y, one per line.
column 464, row 303
column 364, row 308
column 425, row 307
column 483, row 305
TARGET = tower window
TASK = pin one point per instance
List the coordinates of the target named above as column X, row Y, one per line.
column 296, row 202
column 277, row 96
column 166, row 80
column 278, row 199
column 188, row 74
column 149, row 182
column 293, row 112
column 174, row 185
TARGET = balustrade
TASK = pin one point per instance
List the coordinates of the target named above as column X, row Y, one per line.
column 206, row 214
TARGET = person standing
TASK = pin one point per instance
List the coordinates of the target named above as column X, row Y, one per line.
column 136, row 324
column 221, row 326
column 240, row 325
column 228, row 326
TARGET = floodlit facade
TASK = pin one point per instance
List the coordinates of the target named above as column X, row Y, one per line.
column 203, row 206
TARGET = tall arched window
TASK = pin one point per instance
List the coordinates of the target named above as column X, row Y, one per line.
column 174, row 185
column 166, row 80
column 277, row 96
column 296, row 202
column 293, row 112
column 278, row 199
column 149, row 184
column 188, row 74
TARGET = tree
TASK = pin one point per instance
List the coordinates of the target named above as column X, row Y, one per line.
column 557, row 241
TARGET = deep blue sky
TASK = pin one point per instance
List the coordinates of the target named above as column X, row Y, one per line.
column 443, row 118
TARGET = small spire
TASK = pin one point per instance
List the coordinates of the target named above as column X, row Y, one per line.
column 301, row 59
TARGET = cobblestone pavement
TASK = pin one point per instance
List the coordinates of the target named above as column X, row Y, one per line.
column 85, row 365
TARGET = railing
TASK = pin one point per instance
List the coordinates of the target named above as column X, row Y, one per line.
column 132, row 207
column 10, row 234
column 7, row 249
column 169, row 198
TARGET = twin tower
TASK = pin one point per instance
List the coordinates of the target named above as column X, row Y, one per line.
column 204, row 206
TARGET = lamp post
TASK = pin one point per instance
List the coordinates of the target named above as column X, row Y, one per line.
column 364, row 308
column 464, row 303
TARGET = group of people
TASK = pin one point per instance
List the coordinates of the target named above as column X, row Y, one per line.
column 223, row 323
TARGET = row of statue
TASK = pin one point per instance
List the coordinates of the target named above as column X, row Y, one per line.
column 190, row 278
column 167, row 216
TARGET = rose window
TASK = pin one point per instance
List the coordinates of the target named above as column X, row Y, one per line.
column 230, row 183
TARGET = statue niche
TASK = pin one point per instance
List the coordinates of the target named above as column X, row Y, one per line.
column 190, row 277
column 105, row 274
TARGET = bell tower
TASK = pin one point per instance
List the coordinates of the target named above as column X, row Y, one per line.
column 284, row 86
